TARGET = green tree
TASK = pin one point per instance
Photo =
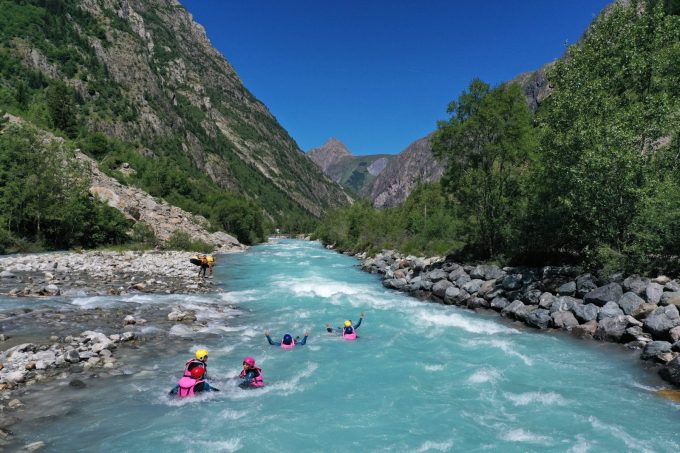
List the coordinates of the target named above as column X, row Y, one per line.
column 61, row 107
column 487, row 145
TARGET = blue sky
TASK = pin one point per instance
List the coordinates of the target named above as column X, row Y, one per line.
column 378, row 74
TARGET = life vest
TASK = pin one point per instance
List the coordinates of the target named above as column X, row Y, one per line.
column 288, row 346
column 351, row 336
column 187, row 371
column 257, row 382
column 210, row 259
column 187, row 386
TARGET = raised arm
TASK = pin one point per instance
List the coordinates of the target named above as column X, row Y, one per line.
column 361, row 318
column 304, row 340
column 266, row 334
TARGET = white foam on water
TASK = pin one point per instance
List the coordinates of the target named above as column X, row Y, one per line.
column 463, row 322
column 438, row 446
column 582, row 445
column 229, row 414
column 235, row 297
column 505, row 346
column 521, row 435
column 216, row 445
column 434, row 367
column 484, row 375
column 546, row 399
column 319, row 288
column 284, row 388
column 619, row 433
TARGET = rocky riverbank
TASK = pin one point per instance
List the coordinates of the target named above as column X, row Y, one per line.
column 638, row 312
column 95, row 273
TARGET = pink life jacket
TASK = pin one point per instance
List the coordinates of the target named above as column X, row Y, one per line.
column 349, row 336
column 257, row 382
column 187, row 373
column 187, row 386
column 288, row 346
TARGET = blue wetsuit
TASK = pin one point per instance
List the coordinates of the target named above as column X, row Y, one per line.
column 298, row 343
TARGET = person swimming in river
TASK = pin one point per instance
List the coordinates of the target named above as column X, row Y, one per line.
column 288, row 342
column 348, row 331
column 251, row 376
column 189, row 386
column 201, row 361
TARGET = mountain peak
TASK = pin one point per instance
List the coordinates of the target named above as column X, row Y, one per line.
column 333, row 146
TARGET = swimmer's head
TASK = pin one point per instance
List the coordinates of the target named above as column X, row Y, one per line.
column 348, row 323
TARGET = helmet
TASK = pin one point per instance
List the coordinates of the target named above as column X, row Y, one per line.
column 287, row 339
column 348, row 323
column 197, row 372
column 249, row 361
column 202, row 354
column 349, row 329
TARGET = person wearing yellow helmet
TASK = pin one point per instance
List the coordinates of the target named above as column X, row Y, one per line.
column 201, row 360
column 347, row 327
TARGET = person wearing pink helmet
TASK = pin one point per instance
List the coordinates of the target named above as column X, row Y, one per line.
column 251, row 376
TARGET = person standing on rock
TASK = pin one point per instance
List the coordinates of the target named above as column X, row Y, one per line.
column 211, row 263
column 203, row 266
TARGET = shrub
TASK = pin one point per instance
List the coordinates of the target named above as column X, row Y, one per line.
column 180, row 240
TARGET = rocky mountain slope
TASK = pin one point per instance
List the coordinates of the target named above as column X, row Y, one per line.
column 356, row 173
column 144, row 72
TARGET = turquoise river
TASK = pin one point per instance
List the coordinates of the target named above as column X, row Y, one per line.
column 423, row 377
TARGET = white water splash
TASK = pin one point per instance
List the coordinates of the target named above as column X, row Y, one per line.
column 438, row 446
column 546, row 399
column 485, row 375
column 619, row 433
column 521, row 435
column 463, row 322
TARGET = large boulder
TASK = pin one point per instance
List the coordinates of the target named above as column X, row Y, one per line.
column 661, row 320
column 643, row 310
column 531, row 297
column 610, row 310
column 674, row 333
column 654, row 348
column 440, row 287
column 636, row 334
column 512, row 282
column 546, row 300
column 473, row 285
column 611, row 329
column 653, row 293
column 600, row 296
column 671, row 372
column 463, row 279
column 487, row 272
column 636, row 284
column 563, row 303
column 456, row 273
column 437, row 275
column 476, row 302
column 539, row 318
column 670, row 298
column 395, row 283
column 585, row 330
column 629, row 302
column 516, row 310
column 486, row 288
column 586, row 312
column 451, row 295
column 568, row 289
column 585, row 284
column 564, row 320
column 499, row 303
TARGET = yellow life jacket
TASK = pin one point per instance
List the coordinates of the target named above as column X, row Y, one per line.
column 210, row 259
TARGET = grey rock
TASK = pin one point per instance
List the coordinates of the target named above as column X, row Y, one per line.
column 539, row 318
column 629, row 302
column 463, row 279
column 586, row 312
column 456, row 273
column 531, row 297
column 86, row 355
column 633, row 322
column 515, row 310
column 674, row 334
column 440, row 287
column 451, row 294
column 391, row 283
column 670, row 298
column 498, row 292
column 672, row 286
column 477, row 302
column 568, row 289
column 563, row 303
column 643, row 310
column 546, row 300
column 77, row 384
column 512, row 282
column 636, row 284
column 671, row 372
column 610, row 310
column 653, row 293
column 486, row 288
column 661, row 320
column 661, row 280
column 676, row 346
column 611, row 329
column 128, row 336
column 499, row 303
column 585, row 284
column 437, row 275
column 72, row 356
column 600, row 296
column 487, row 272
column 586, row 330
column 636, row 333
column 473, row 286
column 564, row 320
column 7, row 274
column 654, row 348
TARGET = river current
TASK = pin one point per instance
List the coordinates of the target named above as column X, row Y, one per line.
column 421, row 377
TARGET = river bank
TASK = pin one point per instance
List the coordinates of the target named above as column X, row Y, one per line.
column 94, row 273
column 639, row 313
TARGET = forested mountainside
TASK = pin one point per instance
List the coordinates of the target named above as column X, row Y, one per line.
column 593, row 176
column 138, row 82
column 355, row 173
